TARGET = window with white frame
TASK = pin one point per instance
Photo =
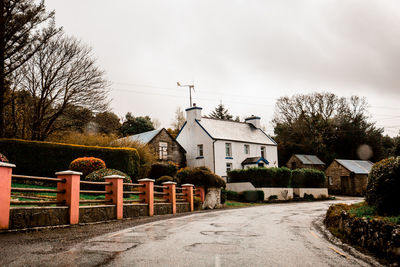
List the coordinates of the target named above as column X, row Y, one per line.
column 228, row 167
column 263, row 154
column 200, row 150
column 246, row 149
column 228, row 149
column 163, row 150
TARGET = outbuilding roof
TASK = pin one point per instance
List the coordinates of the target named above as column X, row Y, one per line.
column 254, row 160
column 235, row 131
column 143, row 138
column 356, row 166
column 309, row 159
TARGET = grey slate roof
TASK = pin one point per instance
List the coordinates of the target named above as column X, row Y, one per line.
column 309, row 159
column 254, row 160
column 235, row 131
column 143, row 138
column 356, row 166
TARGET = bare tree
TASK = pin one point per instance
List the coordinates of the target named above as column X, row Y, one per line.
column 24, row 27
column 63, row 73
column 179, row 119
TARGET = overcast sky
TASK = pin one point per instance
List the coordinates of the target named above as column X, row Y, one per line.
column 245, row 53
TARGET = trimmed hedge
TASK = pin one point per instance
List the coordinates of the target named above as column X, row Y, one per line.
column 98, row 176
column 308, row 178
column 87, row 165
column 262, row 177
column 164, row 179
column 200, row 176
column 46, row 158
column 162, row 169
column 384, row 185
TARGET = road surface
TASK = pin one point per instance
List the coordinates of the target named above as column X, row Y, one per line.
column 270, row 235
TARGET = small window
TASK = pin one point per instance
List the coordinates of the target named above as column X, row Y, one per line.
column 263, row 152
column 330, row 180
column 228, row 149
column 228, row 167
column 200, row 150
column 261, row 165
column 246, row 149
column 163, row 150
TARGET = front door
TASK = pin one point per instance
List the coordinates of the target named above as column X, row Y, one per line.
column 345, row 184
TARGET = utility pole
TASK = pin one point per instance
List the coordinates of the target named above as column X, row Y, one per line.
column 190, row 86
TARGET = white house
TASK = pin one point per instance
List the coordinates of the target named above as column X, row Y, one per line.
column 223, row 145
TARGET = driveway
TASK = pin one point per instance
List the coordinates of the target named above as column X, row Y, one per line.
column 269, row 235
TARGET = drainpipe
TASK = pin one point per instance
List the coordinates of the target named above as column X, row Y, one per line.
column 214, row 153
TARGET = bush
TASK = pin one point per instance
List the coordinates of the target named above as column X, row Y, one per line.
column 384, row 185
column 272, row 197
column 87, row 165
column 224, row 196
column 164, row 179
column 200, row 176
column 260, row 194
column 308, row 196
column 308, row 178
column 262, row 177
column 161, row 169
column 232, row 195
column 45, row 158
column 250, row 196
column 3, row 158
column 98, row 176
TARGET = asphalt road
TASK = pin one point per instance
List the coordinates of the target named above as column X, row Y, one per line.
column 269, row 235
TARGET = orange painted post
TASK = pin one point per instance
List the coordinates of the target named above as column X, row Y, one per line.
column 171, row 190
column 71, row 196
column 202, row 193
column 117, row 188
column 5, row 193
column 188, row 191
column 148, row 195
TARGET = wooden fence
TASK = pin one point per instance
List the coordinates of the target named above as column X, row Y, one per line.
column 67, row 193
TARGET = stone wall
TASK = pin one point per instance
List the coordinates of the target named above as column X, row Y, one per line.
column 377, row 236
column 162, row 208
column 135, row 210
column 28, row 217
column 96, row 213
column 182, row 207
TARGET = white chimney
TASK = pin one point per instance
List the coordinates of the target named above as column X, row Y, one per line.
column 193, row 113
column 254, row 120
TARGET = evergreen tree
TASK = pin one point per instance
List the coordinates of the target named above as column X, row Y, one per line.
column 221, row 113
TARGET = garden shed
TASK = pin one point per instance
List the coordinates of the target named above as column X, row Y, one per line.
column 348, row 177
column 300, row 161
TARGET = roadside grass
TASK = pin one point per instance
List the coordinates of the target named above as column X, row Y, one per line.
column 362, row 210
column 236, row 204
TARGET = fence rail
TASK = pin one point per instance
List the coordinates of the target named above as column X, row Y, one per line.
column 46, row 179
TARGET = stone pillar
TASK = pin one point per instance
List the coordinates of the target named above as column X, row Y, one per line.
column 188, row 190
column 5, row 193
column 117, row 188
column 171, row 190
column 71, row 195
column 148, row 196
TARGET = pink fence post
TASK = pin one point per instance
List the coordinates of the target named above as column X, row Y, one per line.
column 148, row 195
column 188, row 189
column 117, row 188
column 71, row 195
column 202, row 193
column 171, row 190
column 5, row 193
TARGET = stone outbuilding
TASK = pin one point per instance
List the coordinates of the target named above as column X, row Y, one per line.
column 300, row 161
column 163, row 144
column 348, row 177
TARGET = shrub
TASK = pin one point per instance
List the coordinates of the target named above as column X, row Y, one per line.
column 224, row 196
column 200, row 176
column 98, row 176
column 272, row 197
column 308, row 196
column 45, row 158
column 384, row 185
column 3, row 158
column 87, row 165
column 262, row 177
column 260, row 195
column 250, row 196
column 232, row 195
column 161, row 169
column 164, row 179
column 308, row 178
column 197, row 203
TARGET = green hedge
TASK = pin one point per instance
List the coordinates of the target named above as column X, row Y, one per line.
column 45, row 158
column 308, row 178
column 262, row 177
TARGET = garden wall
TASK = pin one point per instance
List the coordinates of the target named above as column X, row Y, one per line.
column 316, row 192
column 240, row 187
column 378, row 236
column 281, row 193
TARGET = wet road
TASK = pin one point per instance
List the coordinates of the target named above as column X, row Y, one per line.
column 270, row 235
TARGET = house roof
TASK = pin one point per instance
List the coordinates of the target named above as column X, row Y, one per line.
column 309, row 159
column 356, row 166
column 254, row 160
column 235, row 131
column 144, row 137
